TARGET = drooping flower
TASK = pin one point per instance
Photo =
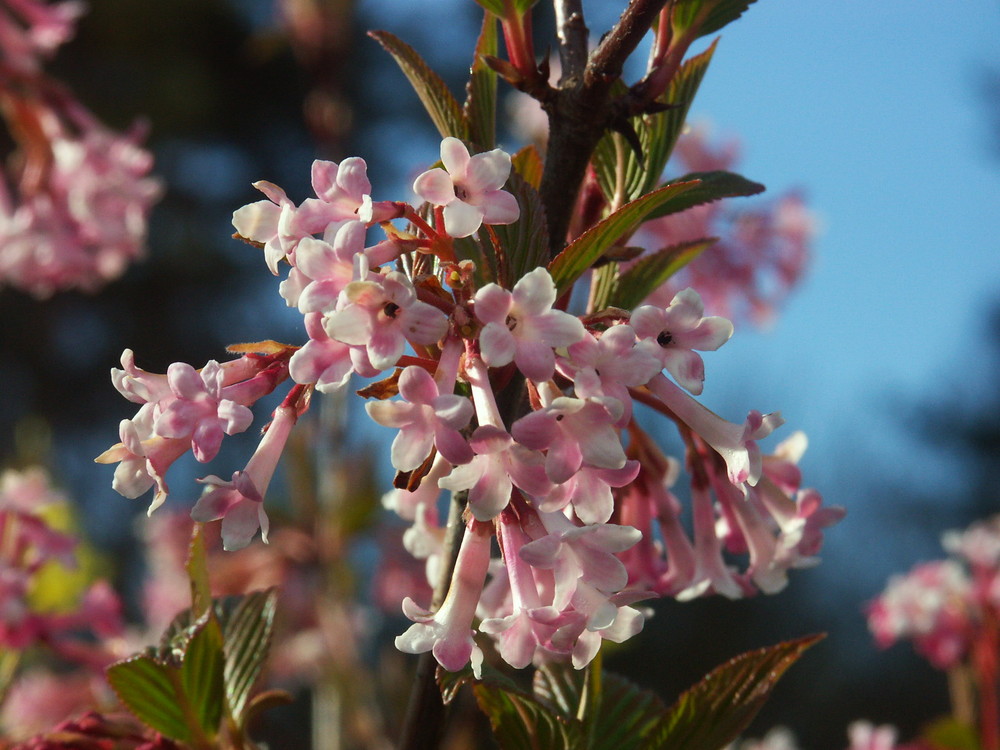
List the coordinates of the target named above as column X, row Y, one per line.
column 470, row 190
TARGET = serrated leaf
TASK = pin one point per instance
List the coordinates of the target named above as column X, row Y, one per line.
column 712, row 714
column 528, row 163
column 439, row 102
column 629, row 288
column 627, row 714
column 657, row 133
column 524, row 245
column 708, row 15
column 247, row 632
column 201, row 675
column 481, row 97
column 711, row 186
column 520, row 721
column 146, row 689
column 585, row 250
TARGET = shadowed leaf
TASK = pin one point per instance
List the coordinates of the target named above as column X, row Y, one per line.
column 712, row 186
column 481, row 93
column 629, row 288
column 712, row 714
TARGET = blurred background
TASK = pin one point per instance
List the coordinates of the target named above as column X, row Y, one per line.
column 886, row 118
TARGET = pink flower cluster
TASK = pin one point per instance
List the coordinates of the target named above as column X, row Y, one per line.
column 576, row 494
column 945, row 606
column 73, row 211
column 761, row 252
column 30, row 544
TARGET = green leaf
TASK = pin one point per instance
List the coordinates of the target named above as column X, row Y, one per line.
column 481, row 93
column 711, row 186
column 951, row 734
column 627, row 290
column 201, row 675
column 712, row 714
column 146, row 689
column 657, row 133
column 524, row 245
column 586, row 249
column 507, row 8
column 444, row 110
column 197, row 570
column 707, row 15
column 528, row 163
column 627, row 715
column 520, row 721
column 247, row 632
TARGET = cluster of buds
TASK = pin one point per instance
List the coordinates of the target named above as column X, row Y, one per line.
column 29, row 546
column 576, row 494
column 74, row 201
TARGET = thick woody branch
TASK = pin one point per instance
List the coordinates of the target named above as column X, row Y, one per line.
column 581, row 110
column 572, row 32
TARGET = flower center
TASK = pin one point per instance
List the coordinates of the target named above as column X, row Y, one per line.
column 664, row 339
column 511, row 322
column 390, row 310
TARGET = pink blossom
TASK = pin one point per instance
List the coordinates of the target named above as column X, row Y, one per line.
column 447, row 633
column 672, row 334
column 470, row 190
column 609, row 366
column 381, row 315
column 737, row 444
column 930, row 605
column 199, row 410
column 424, row 417
column 270, row 223
column 240, row 502
column 522, row 327
column 574, row 431
column 30, row 29
column 340, row 189
column 326, row 362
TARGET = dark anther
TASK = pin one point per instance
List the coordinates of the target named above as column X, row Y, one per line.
column 390, row 309
column 664, row 339
column 511, row 322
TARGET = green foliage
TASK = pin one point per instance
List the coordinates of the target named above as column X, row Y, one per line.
column 507, row 8
column 629, row 288
column 525, row 243
column 712, row 714
column 528, row 163
column 201, row 671
column 657, row 133
column 706, row 16
column 481, row 97
column 181, row 696
column 588, row 248
column 442, row 107
column 711, row 186
column 591, row 709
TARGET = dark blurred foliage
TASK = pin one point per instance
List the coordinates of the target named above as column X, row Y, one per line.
column 230, row 101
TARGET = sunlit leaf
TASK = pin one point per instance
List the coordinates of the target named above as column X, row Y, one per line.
column 585, row 250
column 629, row 288
column 712, row 714
column 247, row 632
column 146, row 689
column 528, row 163
column 708, row 15
column 657, row 133
column 201, row 675
column 520, row 721
column 711, row 186
column 197, row 570
column 481, row 94
column 439, row 102
column 626, row 717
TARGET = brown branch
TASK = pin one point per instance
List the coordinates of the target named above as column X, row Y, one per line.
column 572, row 32
column 579, row 113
